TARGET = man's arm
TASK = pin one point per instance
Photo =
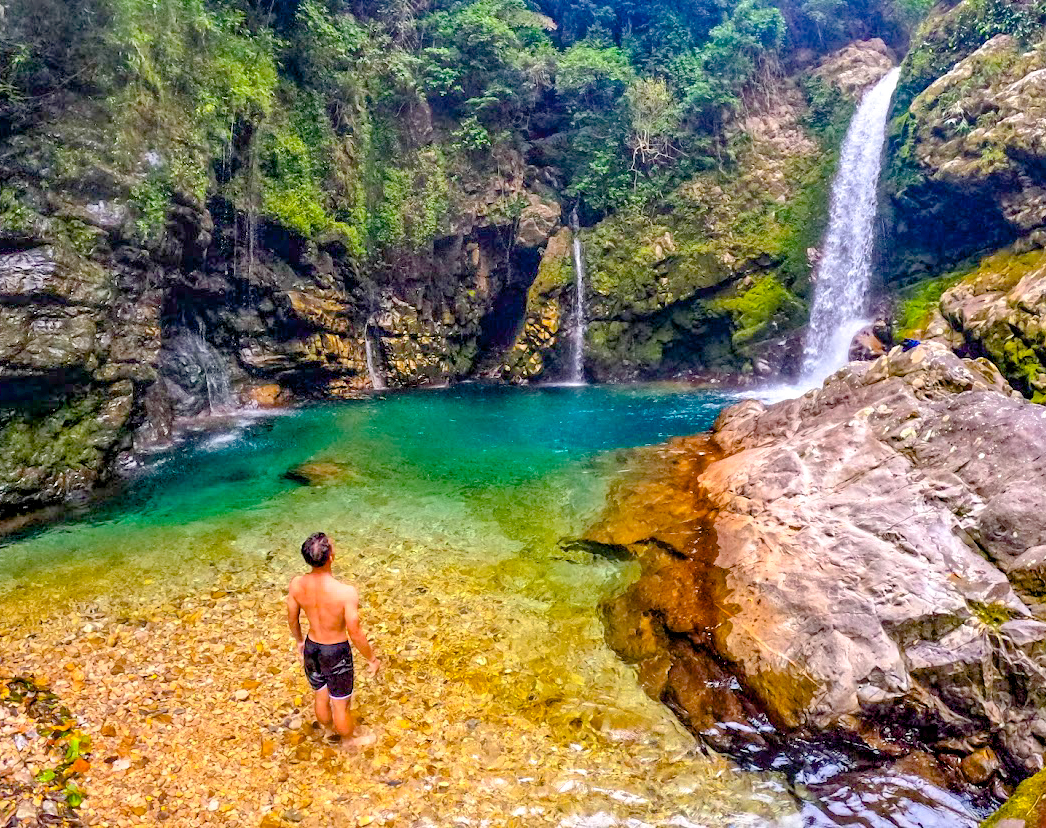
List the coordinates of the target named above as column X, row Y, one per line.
column 352, row 626
column 294, row 619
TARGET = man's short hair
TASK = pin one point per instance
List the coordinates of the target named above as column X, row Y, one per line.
column 316, row 550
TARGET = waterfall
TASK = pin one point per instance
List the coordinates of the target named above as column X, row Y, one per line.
column 377, row 381
column 196, row 368
column 577, row 329
column 844, row 275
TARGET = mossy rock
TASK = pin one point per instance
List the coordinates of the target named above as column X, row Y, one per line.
column 753, row 310
column 1027, row 806
column 49, row 451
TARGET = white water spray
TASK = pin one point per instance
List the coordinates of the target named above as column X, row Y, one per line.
column 844, row 275
column 577, row 330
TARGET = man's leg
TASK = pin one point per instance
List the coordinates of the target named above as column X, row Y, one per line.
column 323, row 707
column 344, row 720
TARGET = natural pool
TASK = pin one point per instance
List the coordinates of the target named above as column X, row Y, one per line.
column 500, row 703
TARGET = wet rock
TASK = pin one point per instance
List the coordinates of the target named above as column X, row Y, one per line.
column 857, row 67
column 866, row 345
column 537, row 222
column 855, row 551
column 979, row 767
column 264, row 396
column 1025, row 809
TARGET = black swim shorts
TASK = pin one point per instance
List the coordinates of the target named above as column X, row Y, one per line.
column 330, row 666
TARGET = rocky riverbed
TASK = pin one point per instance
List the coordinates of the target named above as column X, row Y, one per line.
column 198, row 714
column 160, row 626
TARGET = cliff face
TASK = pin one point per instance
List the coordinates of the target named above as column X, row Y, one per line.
column 94, row 299
column 966, row 158
column 966, row 189
column 715, row 280
column 307, row 199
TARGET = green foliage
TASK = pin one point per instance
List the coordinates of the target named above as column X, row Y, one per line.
column 735, row 47
column 294, row 161
column 193, row 55
column 828, row 110
column 335, row 119
column 151, row 198
column 413, row 203
column 592, row 77
column 472, row 136
column 489, row 59
column 15, row 217
column 917, row 302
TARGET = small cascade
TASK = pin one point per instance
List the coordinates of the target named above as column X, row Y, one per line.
column 844, row 275
column 377, row 381
column 577, row 328
column 198, row 370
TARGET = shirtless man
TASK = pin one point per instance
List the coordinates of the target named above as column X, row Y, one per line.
column 333, row 611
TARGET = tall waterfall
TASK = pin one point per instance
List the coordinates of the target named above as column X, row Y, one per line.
column 577, row 328
column 844, row 275
column 377, row 381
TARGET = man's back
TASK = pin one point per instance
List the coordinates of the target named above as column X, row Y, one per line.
column 329, row 605
column 333, row 612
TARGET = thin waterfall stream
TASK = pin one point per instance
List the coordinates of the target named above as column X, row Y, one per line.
column 844, row 275
column 200, row 371
column 577, row 330
column 377, row 381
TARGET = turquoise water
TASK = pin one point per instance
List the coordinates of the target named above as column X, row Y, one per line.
column 532, row 462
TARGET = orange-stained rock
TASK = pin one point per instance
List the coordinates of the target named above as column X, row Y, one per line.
column 265, row 396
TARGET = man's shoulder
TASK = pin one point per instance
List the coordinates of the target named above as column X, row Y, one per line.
column 348, row 591
column 294, row 584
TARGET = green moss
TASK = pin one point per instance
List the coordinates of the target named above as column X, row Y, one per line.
column 1027, row 805
column 916, row 304
column 70, row 437
column 15, row 217
column 1018, row 351
column 81, row 236
column 754, row 309
column 993, row 615
column 805, row 215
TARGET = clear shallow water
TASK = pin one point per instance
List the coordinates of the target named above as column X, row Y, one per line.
column 529, row 461
column 448, row 509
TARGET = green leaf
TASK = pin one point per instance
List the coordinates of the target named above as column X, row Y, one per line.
column 74, row 797
column 72, row 749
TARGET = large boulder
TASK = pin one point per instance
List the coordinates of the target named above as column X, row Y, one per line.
column 845, row 556
column 857, row 67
